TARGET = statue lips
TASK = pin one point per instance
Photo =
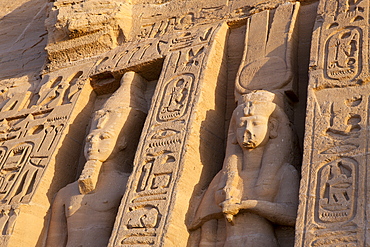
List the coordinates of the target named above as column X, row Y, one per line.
column 249, row 144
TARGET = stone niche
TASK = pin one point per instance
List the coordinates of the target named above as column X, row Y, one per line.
column 183, row 123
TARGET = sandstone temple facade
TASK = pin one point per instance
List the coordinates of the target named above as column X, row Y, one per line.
column 184, row 123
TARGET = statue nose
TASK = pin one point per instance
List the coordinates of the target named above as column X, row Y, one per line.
column 94, row 139
column 247, row 135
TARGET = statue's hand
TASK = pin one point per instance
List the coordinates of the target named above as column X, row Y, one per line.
column 230, row 208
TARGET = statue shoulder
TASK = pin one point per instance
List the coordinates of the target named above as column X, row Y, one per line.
column 67, row 192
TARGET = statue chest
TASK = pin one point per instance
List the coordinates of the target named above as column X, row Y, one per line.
column 92, row 203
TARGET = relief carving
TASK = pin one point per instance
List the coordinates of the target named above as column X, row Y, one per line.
column 146, row 217
column 257, row 188
column 14, row 172
column 8, row 216
column 343, row 60
column 148, row 50
column 59, row 91
column 158, row 26
column 163, row 22
column 340, row 53
column 157, row 171
column 93, row 200
column 176, row 96
column 158, row 165
column 268, row 61
column 337, row 182
column 24, row 163
column 37, row 129
column 335, row 160
column 31, row 125
column 166, row 137
column 337, row 167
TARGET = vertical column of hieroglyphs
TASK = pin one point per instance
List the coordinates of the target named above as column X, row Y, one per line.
column 31, row 129
column 153, row 209
column 334, row 173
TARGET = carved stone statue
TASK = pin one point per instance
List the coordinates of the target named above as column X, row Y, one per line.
column 257, row 188
column 83, row 212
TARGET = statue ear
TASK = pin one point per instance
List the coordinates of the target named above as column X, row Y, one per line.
column 274, row 124
column 232, row 130
column 122, row 143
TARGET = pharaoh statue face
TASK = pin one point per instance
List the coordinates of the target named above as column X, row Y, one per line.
column 102, row 140
column 100, row 144
column 252, row 131
column 253, row 124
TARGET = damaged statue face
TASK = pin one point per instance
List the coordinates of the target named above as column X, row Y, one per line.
column 101, row 141
column 253, row 125
column 99, row 144
column 252, row 131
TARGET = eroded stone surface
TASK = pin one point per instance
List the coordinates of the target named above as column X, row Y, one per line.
column 80, row 29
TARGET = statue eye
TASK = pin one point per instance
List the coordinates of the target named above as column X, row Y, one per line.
column 255, row 123
column 105, row 136
column 88, row 138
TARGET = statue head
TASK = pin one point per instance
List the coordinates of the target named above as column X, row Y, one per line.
column 108, row 123
column 120, row 115
column 254, row 125
column 104, row 138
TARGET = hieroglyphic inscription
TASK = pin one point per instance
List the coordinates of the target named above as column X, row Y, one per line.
column 132, row 54
column 343, row 54
column 145, row 51
column 144, row 210
column 341, row 39
column 31, row 125
column 335, row 160
column 337, row 183
column 59, row 91
column 337, row 167
column 163, row 22
column 29, row 134
column 157, row 25
column 175, row 97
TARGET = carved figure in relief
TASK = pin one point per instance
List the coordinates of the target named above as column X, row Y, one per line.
column 12, row 171
column 342, row 61
column 143, row 218
column 8, row 214
column 337, row 182
column 83, row 212
column 176, row 97
column 257, row 189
